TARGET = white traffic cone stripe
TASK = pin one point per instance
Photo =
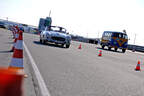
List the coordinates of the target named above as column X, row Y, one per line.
column 19, row 44
column 14, row 45
column 16, row 62
column 16, row 35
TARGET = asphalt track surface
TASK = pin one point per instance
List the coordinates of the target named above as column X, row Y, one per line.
column 75, row 72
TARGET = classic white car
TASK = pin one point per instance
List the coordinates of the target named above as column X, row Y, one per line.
column 57, row 35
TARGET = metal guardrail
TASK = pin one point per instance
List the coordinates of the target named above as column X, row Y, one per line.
column 136, row 48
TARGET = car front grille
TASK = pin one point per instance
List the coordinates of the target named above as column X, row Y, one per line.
column 58, row 38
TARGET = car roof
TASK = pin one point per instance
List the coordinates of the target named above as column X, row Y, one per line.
column 114, row 32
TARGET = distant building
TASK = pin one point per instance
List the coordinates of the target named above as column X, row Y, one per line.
column 44, row 22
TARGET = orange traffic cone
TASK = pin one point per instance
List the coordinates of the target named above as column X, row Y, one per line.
column 15, row 40
column 100, row 53
column 17, row 59
column 80, row 47
column 11, row 83
column 138, row 66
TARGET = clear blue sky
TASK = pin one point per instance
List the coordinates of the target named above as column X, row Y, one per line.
column 81, row 16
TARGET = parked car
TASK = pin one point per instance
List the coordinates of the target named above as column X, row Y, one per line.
column 2, row 25
column 113, row 39
column 57, row 35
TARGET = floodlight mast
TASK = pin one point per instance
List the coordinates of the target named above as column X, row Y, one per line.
column 49, row 13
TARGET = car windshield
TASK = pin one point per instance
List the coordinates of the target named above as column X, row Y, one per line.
column 56, row 29
column 120, row 35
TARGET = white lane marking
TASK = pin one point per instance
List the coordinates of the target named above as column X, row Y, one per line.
column 41, row 82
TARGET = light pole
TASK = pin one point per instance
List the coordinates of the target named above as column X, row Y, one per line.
column 49, row 13
column 134, row 39
column 134, row 46
column 7, row 18
column 7, row 24
column 87, row 35
column 98, row 34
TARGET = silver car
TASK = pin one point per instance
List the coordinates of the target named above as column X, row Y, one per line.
column 57, row 35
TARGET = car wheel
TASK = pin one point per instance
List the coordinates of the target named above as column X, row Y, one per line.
column 109, row 48
column 103, row 46
column 40, row 41
column 123, row 50
column 115, row 49
column 67, row 45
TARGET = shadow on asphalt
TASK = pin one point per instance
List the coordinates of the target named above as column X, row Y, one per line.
column 5, row 51
column 109, row 50
column 48, row 44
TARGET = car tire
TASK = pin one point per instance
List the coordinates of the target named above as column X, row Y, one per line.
column 115, row 49
column 40, row 41
column 123, row 50
column 67, row 45
column 109, row 48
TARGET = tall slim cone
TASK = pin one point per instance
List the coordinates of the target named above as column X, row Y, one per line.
column 15, row 40
column 17, row 59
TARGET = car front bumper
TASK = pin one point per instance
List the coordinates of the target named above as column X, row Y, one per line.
column 57, row 40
